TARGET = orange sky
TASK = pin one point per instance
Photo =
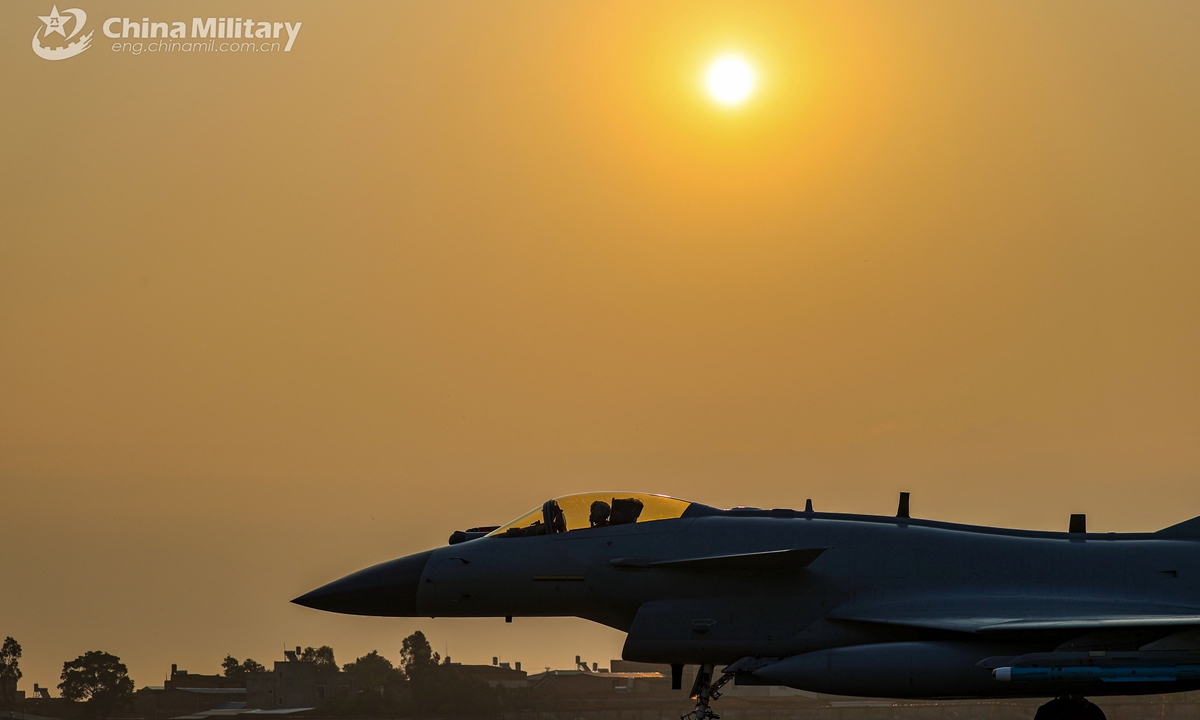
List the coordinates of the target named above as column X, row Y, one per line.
column 267, row 319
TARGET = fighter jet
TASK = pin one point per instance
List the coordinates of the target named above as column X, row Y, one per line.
column 844, row 604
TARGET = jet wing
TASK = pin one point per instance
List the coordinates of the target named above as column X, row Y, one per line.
column 1013, row 614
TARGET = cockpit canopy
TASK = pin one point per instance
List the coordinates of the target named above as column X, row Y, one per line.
column 591, row 510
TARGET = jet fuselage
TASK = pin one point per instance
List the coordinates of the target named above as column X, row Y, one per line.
column 846, row 604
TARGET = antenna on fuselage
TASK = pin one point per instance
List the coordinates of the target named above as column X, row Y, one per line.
column 808, row 505
column 1078, row 523
column 902, row 510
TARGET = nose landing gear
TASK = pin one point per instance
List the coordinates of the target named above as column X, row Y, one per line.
column 705, row 692
column 1072, row 707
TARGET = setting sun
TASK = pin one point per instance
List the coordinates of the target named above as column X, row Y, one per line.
column 730, row 80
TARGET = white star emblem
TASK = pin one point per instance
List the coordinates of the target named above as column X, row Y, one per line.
column 54, row 22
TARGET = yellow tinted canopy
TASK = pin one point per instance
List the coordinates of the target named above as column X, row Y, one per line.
column 590, row 510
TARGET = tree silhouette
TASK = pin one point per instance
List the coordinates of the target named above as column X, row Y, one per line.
column 322, row 657
column 249, row 666
column 436, row 688
column 101, row 679
column 379, row 685
column 239, row 670
column 10, row 673
column 417, row 655
column 373, row 671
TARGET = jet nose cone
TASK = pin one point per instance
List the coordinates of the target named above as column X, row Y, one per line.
column 388, row 589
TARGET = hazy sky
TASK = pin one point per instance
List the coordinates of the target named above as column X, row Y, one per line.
column 268, row 318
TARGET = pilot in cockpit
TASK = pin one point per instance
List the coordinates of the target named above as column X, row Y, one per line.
column 591, row 510
column 599, row 514
column 552, row 515
column 625, row 510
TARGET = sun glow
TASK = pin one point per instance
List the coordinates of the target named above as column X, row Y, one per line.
column 730, row 80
